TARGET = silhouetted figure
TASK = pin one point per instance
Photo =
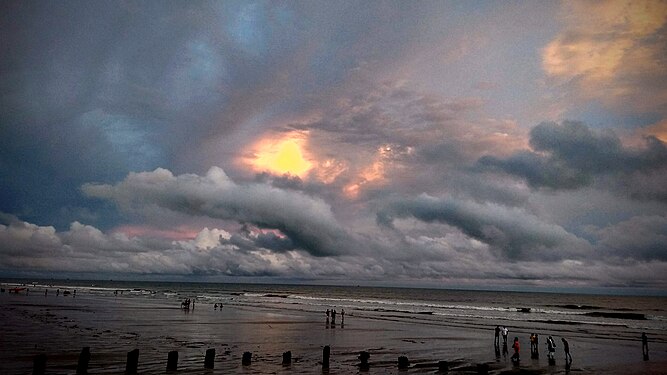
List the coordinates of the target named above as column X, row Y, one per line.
column 515, row 357
column 328, row 312
column 551, row 348
column 57, row 292
column 342, row 316
column 536, row 353
column 505, row 333
column 333, row 316
column 496, row 340
column 645, row 346
column 566, row 348
column 46, row 291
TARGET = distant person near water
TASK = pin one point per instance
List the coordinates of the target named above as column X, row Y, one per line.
column 645, row 346
column 342, row 315
column 551, row 348
column 505, row 333
column 566, row 348
column 515, row 357
column 496, row 340
column 534, row 346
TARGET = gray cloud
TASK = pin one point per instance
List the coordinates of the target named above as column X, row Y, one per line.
column 306, row 220
column 516, row 233
column 639, row 238
column 571, row 155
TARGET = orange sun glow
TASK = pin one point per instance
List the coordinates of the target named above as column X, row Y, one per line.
column 281, row 156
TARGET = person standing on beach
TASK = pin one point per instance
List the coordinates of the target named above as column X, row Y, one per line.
column 515, row 346
column 551, row 347
column 328, row 314
column 645, row 346
column 496, row 340
column 566, row 348
column 342, row 315
column 333, row 316
column 505, row 333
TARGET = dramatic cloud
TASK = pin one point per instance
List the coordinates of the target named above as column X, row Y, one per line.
column 517, row 234
column 384, row 141
column 571, row 155
column 613, row 51
column 307, row 221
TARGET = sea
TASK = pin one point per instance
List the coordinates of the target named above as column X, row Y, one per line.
column 59, row 317
column 600, row 315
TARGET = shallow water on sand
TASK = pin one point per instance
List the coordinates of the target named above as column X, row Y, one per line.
column 425, row 325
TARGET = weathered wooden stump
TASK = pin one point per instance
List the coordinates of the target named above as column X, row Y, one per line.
column 210, row 358
column 39, row 364
column 287, row 358
column 172, row 361
column 247, row 359
column 325, row 357
column 84, row 359
column 403, row 362
column 132, row 362
column 363, row 360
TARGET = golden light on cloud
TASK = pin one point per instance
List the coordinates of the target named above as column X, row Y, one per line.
column 372, row 173
column 284, row 155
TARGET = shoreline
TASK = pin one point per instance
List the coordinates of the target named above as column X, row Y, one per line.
column 113, row 325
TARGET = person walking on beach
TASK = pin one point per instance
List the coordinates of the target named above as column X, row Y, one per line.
column 645, row 346
column 333, row 316
column 505, row 333
column 496, row 340
column 551, row 348
column 566, row 348
column 515, row 346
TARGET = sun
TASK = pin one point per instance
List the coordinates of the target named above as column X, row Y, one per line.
column 282, row 156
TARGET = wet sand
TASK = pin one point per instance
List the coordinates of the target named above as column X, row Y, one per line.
column 113, row 325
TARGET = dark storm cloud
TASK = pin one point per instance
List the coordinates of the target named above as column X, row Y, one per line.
column 517, row 234
column 92, row 90
column 307, row 221
column 571, row 155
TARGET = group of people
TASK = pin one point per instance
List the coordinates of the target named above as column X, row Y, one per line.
column 186, row 304
column 534, row 346
column 333, row 313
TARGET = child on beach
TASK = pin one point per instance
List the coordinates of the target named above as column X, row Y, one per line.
column 515, row 346
column 505, row 333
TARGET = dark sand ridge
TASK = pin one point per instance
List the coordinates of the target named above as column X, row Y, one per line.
column 111, row 326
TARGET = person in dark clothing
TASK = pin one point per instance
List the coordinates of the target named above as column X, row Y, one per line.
column 496, row 341
column 566, row 348
column 645, row 346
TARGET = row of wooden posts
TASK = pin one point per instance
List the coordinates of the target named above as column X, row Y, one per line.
column 39, row 361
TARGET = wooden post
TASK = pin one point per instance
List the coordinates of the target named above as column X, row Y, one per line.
column 210, row 358
column 172, row 361
column 39, row 364
column 132, row 362
column 325, row 357
column 247, row 359
column 84, row 358
column 287, row 358
column 443, row 366
column 363, row 359
column 403, row 362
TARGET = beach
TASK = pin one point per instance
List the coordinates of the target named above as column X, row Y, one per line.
column 268, row 320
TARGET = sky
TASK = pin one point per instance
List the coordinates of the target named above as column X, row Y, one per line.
column 453, row 144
